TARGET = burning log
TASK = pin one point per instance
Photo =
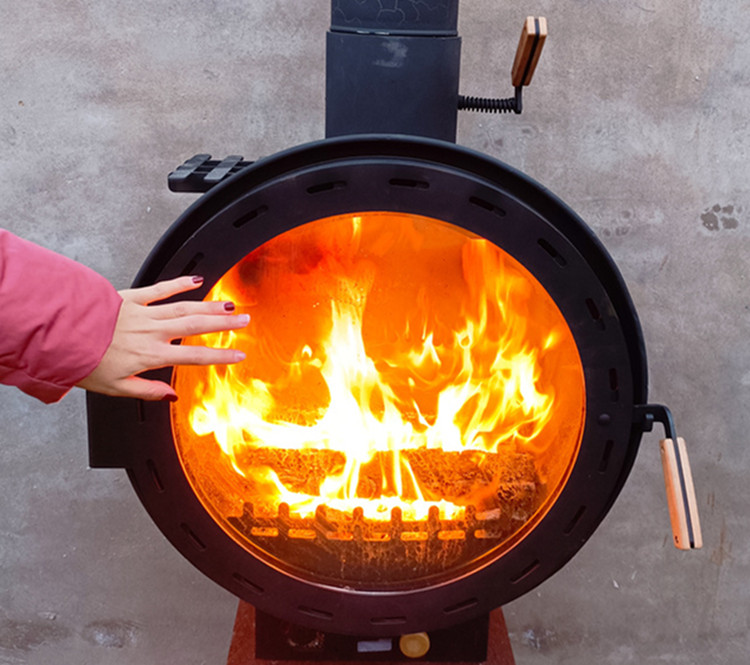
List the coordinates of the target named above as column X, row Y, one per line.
column 300, row 471
column 506, row 483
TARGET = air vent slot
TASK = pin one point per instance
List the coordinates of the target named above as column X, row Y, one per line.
column 387, row 621
column 197, row 542
column 326, row 186
column 192, row 264
column 461, row 607
column 409, row 183
column 487, row 205
column 574, row 522
column 608, row 446
column 525, row 572
column 550, row 249
column 249, row 217
column 614, row 385
column 595, row 314
column 315, row 613
column 151, row 465
column 247, row 584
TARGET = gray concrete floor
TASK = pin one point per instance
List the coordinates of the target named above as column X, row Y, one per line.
column 638, row 118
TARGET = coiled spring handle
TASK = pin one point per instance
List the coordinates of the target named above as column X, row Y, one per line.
column 533, row 35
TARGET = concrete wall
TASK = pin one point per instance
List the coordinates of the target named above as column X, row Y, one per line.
column 637, row 117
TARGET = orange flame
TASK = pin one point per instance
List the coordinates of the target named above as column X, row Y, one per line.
column 377, row 335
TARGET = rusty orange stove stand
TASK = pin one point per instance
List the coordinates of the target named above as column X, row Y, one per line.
column 242, row 648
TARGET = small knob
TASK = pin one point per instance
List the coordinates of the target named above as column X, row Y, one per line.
column 414, row 645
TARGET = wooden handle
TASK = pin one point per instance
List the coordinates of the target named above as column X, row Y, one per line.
column 683, row 508
column 529, row 49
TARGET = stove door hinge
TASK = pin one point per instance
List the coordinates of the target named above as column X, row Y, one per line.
column 678, row 478
column 200, row 173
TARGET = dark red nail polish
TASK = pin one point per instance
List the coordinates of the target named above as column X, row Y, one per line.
column 228, row 306
column 169, row 398
column 197, row 279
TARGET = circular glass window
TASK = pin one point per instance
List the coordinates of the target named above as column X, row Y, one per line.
column 411, row 404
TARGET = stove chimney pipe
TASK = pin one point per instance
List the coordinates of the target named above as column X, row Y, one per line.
column 392, row 67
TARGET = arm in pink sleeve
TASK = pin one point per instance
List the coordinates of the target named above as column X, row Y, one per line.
column 57, row 318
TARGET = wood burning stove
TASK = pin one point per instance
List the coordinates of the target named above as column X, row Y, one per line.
column 445, row 387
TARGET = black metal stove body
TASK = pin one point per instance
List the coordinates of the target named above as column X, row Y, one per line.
column 423, row 175
column 393, row 72
column 470, row 190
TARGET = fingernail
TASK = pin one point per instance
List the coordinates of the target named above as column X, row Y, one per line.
column 240, row 356
column 197, row 279
column 169, row 398
column 228, row 306
column 243, row 319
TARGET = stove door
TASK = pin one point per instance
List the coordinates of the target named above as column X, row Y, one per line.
column 437, row 409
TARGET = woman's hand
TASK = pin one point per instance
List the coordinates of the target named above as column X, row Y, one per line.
column 143, row 335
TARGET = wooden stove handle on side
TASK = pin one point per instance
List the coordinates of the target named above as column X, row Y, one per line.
column 529, row 49
column 683, row 507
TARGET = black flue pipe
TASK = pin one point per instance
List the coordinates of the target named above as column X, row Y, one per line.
column 392, row 67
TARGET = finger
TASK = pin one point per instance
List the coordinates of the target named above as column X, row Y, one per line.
column 198, row 324
column 191, row 307
column 162, row 290
column 202, row 355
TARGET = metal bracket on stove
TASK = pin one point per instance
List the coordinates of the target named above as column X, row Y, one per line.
column 200, row 173
column 648, row 414
column 683, row 506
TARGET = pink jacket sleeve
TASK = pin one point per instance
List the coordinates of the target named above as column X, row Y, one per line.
column 57, row 318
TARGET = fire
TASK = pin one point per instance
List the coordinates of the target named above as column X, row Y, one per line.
column 373, row 338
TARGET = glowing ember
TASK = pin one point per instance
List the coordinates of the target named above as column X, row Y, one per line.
column 378, row 342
